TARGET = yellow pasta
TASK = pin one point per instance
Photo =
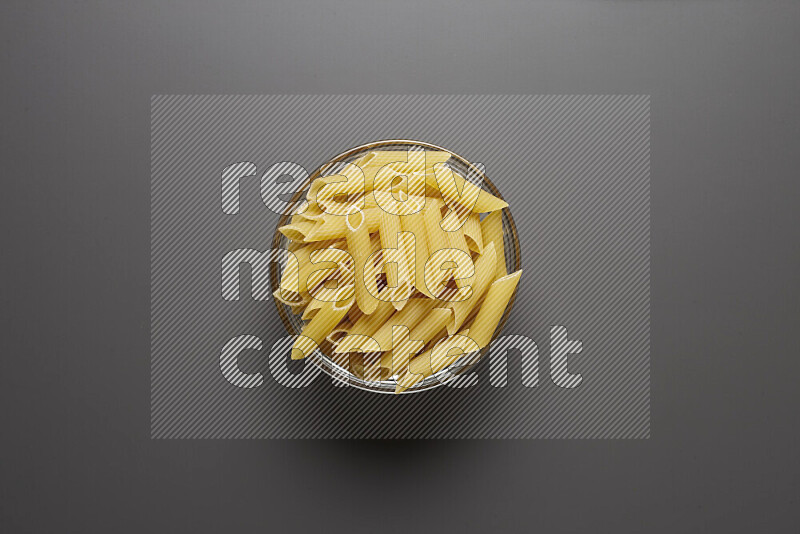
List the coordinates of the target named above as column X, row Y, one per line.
column 404, row 347
column 495, row 303
column 323, row 323
column 472, row 233
column 407, row 345
column 459, row 193
column 492, row 232
column 348, row 182
column 296, row 302
column 311, row 310
column 437, row 241
column 335, row 226
column 371, row 233
column 415, row 311
column 358, row 243
column 340, row 271
column 297, row 231
column 415, row 224
column 298, row 270
column 421, row 161
column 366, row 325
column 435, row 359
column 334, row 207
column 388, row 228
column 456, row 240
column 339, row 332
column 361, row 176
column 406, row 277
column 484, row 269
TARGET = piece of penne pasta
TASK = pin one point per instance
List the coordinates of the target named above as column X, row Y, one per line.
column 311, row 310
column 456, row 240
column 358, row 177
column 366, row 325
column 297, row 231
column 437, row 241
column 388, row 228
column 339, row 332
column 334, row 207
column 449, row 274
column 295, row 301
column 459, row 194
column 354, row 314
column 415, row 165
column 473, row 234
column 497, row 299
column 358, row 243
column 407, row 267
column 492, row 231
column 409, row 345
column 335, row 226
column 399, row 203
column 404, row 347
column 297, row 271
column 442, row 355
column 317, row 329
column 333, row 270
column 485, row 268
column 432, row 216
column 415, row 311
column 415, row 224
column 347, row 184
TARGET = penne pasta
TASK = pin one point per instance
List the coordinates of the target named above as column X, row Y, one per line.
column 348, row 183
column 335, row 207
column 340, row 270
column 366, row 325
column 406, row 345
column 456, row 240
column 496, row 301
column 359, row 176
column 449, row 266
column 414, row 312
column 459, row 194
column 437, row 241
column 484, row 268
column 311, row 310
column 339, row 332
column 299, row 267
column 430, row 362
column 358, row 243
column 297, row 231
column 323, row 323
column 492, row 232
column 415, row 225
column 372, row 232
column 473, row 234
column 296, row 301
column 388, row 228
column 335, row 226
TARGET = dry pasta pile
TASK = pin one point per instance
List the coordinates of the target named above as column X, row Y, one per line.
column 393, row 268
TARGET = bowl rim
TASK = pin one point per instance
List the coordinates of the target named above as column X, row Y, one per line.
column 274, row 275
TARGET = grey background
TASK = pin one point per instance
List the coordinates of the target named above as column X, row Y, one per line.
column 575, row 170
column 78, row 77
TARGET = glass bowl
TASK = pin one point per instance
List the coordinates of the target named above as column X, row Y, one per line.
column 294, row 323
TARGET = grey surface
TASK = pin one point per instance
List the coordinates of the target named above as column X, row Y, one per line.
column 76, row 90
column 575, row 171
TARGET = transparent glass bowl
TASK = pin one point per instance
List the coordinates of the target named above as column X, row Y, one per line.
column 294, row 323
